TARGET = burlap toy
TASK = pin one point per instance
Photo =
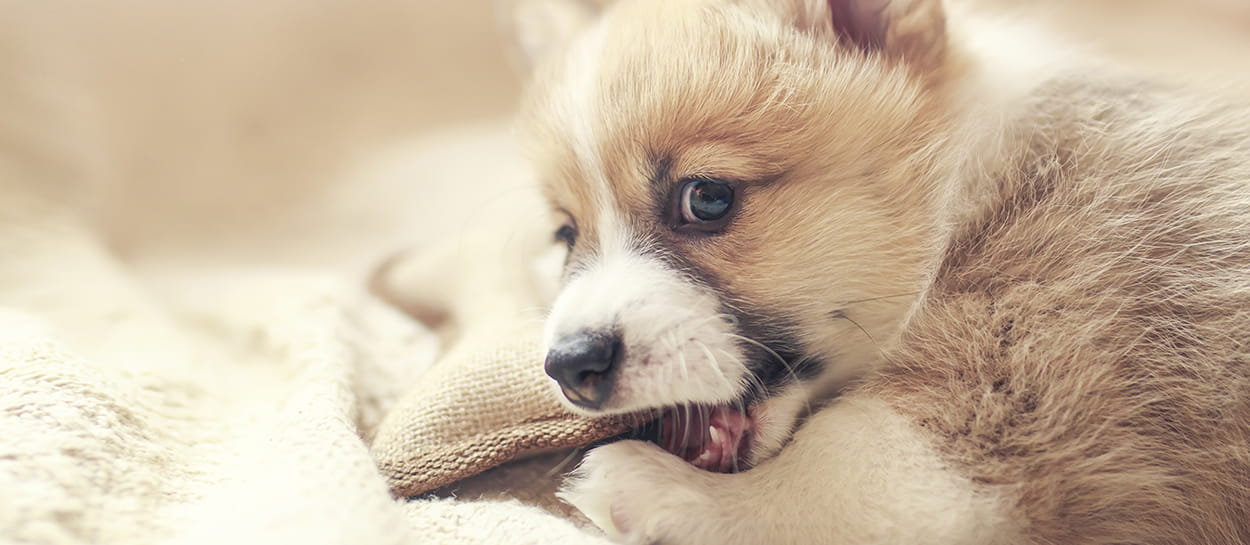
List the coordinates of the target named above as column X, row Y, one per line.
column 473, row 412
column 487, row 400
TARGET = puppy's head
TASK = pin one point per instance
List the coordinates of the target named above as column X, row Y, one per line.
column 745, row 193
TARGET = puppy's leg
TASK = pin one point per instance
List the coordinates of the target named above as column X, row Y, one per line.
column 856, row 473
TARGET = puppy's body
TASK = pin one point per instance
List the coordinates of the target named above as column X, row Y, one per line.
column 1039, row 278
column 1083, row 346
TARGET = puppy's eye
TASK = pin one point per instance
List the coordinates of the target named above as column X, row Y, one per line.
column 704, row 200
column 567, row 234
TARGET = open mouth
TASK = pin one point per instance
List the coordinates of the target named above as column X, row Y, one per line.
column 716, row 439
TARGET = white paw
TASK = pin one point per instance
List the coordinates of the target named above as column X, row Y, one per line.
column 638, row 493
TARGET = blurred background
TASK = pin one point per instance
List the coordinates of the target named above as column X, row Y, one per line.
column 329, row 132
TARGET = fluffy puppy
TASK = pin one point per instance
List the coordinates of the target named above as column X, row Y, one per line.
column 884, row 272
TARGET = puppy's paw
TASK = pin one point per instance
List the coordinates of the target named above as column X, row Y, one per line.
column 638, row 493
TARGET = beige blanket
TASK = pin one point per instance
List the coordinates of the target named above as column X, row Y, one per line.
column 224, row 404
column 206, row 405
column 188, row 351
column 191, row 202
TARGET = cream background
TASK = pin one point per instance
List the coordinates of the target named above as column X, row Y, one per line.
column 199, row 123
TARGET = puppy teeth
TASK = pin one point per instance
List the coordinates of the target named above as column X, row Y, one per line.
column 714, row 434
column 707, row 455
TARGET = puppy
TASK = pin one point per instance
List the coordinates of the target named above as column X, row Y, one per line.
column 884, row 272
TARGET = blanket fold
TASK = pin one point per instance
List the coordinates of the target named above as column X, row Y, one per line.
column 186, row 399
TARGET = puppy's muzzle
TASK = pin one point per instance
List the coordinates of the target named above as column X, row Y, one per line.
column 584, row 364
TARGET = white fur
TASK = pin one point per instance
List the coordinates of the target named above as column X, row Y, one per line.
column 1012, row 58
column 580, row 114
column 875, row 472
column 678, row 347
column 776, row 418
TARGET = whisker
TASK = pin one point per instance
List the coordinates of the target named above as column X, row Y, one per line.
column 752, row 381
column 807, row 403
column 534, row 309
column 686, row 429
column 788, row 366
column 875, row 344
column 734, row 466
column 681, row 357
column 766, row 348
column 715, row 364
column 871, row 299
column 739, row 403
column 559, row 467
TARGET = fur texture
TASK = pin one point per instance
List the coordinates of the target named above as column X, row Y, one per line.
column 1084, row 342
column 1035, row 272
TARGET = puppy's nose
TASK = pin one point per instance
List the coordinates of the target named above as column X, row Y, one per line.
column 584, row 365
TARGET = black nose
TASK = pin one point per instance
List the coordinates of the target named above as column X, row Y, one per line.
column 584, row 364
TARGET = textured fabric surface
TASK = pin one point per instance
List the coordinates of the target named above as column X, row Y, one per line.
column 185, row 399
column 472, row 413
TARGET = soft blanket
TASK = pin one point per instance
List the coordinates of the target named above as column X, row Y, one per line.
column 163, row 398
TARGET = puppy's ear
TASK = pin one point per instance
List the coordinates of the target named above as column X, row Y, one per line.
column 539, row 27
column 913, row 31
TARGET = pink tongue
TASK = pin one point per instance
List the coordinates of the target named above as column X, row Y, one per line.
column 710, row 438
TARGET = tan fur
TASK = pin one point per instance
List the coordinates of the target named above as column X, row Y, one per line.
column 775, row 135
column 1084, row 343
column 1047, row 271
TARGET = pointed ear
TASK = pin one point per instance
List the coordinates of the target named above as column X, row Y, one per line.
column 539, row 27
column 913, row 31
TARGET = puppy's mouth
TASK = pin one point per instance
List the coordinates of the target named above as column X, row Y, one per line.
column 712, row 438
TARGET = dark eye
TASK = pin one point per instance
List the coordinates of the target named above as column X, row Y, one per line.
column 567, row 234
column 704, row 200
